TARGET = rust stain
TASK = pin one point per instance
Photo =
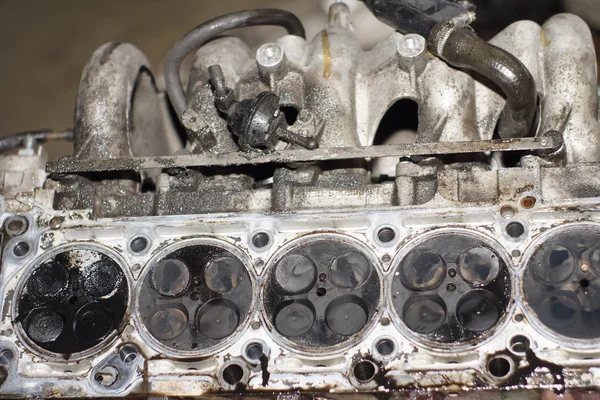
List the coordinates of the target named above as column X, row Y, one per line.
column 543, row 39
column 326, row 54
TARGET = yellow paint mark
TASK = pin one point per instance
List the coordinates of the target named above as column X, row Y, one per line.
column 326, row 54
column 543, row 39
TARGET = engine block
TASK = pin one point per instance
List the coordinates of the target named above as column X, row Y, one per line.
column 306, row 236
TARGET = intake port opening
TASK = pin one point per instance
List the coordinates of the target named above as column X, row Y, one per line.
column 397, row 126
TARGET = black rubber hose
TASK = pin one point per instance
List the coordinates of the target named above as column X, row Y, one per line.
column 464, row 49
column 203, row 33
column 18, row 139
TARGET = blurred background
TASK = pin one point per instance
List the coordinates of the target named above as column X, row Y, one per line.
column 46, row 44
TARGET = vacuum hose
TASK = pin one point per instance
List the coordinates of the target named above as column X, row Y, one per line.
column 209, row 30
column 444, row 24
column 464, row 49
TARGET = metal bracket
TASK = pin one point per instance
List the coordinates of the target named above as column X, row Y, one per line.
column 69, row 165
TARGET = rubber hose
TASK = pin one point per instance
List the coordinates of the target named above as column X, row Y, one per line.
column 205, row 32
column 464, row 49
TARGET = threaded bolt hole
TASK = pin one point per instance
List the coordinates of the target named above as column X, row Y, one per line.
column 364, row 371
column 233, row 374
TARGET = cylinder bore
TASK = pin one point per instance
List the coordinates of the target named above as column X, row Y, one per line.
column 561, row 282
column 195, row 297
column 321, row 292
column 73, row 300
column 451, row 287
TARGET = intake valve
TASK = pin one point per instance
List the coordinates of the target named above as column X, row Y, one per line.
column 257, row 122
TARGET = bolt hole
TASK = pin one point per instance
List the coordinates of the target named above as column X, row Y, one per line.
column 507, row 212
column 386, row 235
column 73, row 300
column 516, row 253
column 528, row 202
column 322, row 277
column 195, row 296
column 584, row 283
column 520, row 344
column 128, row 353
column 254, row 351
column 364, row 371
column 233, row 374
column 321, row 292
column 21, row 249
column 15, row 225
column 107, row 376
column 139, row 244
column 519, row 318
column 261, row 240
column 499, row 367
column 451, row 287
column 385, row 347
column 6, row 356
column 515, row 230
